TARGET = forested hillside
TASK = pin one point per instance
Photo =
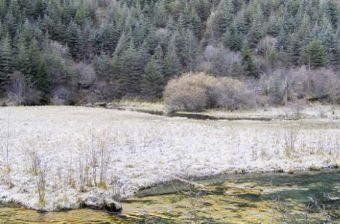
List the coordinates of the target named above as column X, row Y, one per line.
column 73, row 51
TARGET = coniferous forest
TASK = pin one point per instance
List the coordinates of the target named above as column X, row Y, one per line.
column 75, row 51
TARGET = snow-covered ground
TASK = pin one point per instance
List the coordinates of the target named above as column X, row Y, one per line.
column 61, row 157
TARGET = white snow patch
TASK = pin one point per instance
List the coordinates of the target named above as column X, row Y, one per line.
column 86, row 153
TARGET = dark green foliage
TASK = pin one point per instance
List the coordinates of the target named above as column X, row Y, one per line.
column 44, row 39
column 248, row 63
column 129, row 67
column 6, row 60
column 42, row 82
column 74, row 40
column 172, row 64
column 152, row 82
column 232, row 39
column 314, row 55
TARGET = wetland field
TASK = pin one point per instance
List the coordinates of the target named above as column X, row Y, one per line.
column 162, row 169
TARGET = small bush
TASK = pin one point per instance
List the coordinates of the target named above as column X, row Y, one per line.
column 188, row 92
column 21, row 90
column 301, row 84
column 232, row 94
column 196, row 92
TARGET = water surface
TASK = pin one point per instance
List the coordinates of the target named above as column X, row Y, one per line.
column 256, row 198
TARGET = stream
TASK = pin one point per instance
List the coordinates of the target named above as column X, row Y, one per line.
column 309, row 197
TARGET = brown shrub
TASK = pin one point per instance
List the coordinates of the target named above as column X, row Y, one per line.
column 20, row 90
column 300, row 83
column 196, row 92
column 232, row 94
column 189, row 92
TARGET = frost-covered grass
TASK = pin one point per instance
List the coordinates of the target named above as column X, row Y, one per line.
column 140, row 104
column 61, row 157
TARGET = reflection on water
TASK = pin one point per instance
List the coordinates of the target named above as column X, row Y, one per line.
column 274, row 198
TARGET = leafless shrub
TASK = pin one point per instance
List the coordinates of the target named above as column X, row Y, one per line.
column 94, row 162
column 39, row 169
column 5, row 161
column 61, row 96
column 103, row 161
column 297, row 84
column 117, row 187
column 21, row 90
column 58, row 48
column 188, row 92
column 274, row 87
column 232, row 94
column 35, row 163
column 323, row 85
column 196, row 92
column 267, row 44
column 86, row 74
column 290, row 138
column 41, row 184
column 219, row 61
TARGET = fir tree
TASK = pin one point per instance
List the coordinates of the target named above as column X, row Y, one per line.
column 153, row 81
column 41, row 81
column 172, row 64
column 248, row 63
column 232, row 39
column 6, row 59
column 314, row 55
column 74, row 40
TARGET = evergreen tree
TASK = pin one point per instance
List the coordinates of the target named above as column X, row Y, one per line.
column 187, row 42
column 314, row 55
column 6, row 59
column 248, row 63
column 153, row 81
column 293, row 49
column 74, row 40
column 223, row 17
column 22, row 62
column 34, row 58
column 232, row 39
column 129, row 67
column 172, row 64
column 103, row 67
column 41, row 81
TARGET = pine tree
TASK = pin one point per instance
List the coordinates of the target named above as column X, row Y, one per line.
column 223, row 17
column 332, row 10
column 3, row 9
column 153, row 81
column 129, row 68
column 293, row 49
column 22, row 62
column 34, row 58
column 172, row 64
column 73, row 40
column 6, row 59
column 187, row 42
column 314, row 55
column 232, row 39
column 248, row 63
column 329, row 42
column 41, row 82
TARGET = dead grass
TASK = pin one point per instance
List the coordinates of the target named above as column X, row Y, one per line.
column 75, row 152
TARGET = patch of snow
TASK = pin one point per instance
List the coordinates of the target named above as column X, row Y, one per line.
column 92, row 155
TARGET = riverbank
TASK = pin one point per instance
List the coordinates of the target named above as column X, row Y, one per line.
column 55, row 158
column 289, row 112
column 249, row 198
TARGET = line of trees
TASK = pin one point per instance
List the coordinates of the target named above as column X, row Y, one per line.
column 72, row 51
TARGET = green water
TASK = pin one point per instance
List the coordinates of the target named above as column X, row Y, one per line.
column 262, row 198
